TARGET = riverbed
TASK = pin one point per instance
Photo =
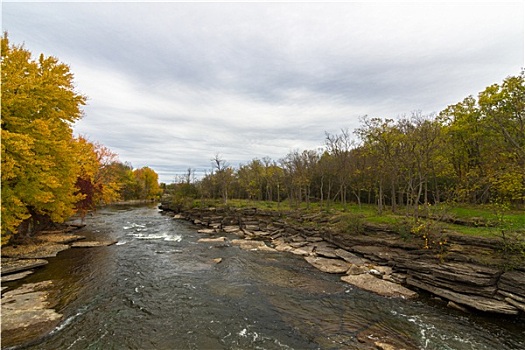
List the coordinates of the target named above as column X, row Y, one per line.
column 158, row 288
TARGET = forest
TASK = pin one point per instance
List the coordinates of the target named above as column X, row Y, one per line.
column 48, row 173
column 472, row 152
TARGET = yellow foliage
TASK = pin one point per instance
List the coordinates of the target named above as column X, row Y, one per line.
column 38, row 106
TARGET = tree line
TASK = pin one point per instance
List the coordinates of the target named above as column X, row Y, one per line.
column 471, row 152
column 48, row 174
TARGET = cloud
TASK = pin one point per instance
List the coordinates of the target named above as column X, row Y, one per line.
column 171, row 84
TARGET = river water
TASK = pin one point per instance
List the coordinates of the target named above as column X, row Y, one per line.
column 157, row 288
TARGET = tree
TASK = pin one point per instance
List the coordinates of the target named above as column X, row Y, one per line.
column 148, row 182
column 223, row 176
column 503, row 108
column 39, row 104
column 339, row 147
column 88, row 164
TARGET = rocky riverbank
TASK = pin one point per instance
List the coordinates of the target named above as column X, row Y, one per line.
column 467, row 272
column 28, row 311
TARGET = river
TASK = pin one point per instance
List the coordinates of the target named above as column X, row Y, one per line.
column 157, row 288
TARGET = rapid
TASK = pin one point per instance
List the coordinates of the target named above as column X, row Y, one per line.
column 158, row 288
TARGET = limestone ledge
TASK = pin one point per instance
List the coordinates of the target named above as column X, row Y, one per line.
column 379, row 259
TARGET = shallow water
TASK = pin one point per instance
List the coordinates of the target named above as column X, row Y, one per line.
column 157, row 288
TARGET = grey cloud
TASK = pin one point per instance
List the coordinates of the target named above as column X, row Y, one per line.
column 171, row 83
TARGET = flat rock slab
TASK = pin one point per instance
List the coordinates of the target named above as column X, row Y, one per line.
column 90, row 244
column 351, row 257
column 34, row 251
column 379, row 286
column 473, row 301
column 247, row 244
column 16, row 276
column 10, row 265
column 212, row 240
column 231, row 229
column 59, row 238
column 328, row 265
column 26, row 313
column 209, row 231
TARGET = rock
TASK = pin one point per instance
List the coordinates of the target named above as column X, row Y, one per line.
column 301, row 252
column 379, row 286
column 178, row 216
column 212, row 240
column 25, row 312
column 376, row 273
column 464, row 278
column 217, row 260
column 324, row 249
column 90, row 244
column 59, row 238
column 455, row 306
column 283, row 247
column 516, row 304
column 328, row 265
column 208, row 231
column 16, row 276
column 246, row 244
column 476, row 302
column 379, row 254
column 384, row 346
column 314, row 239
column 512, row 296
column 299, row 244
column 34, row 251
column 513, row 282
column 12, row 265
column 231, row 229
column 350, row 257
column 357, row 269
column 383, row 270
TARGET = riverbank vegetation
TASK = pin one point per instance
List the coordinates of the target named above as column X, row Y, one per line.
column 464, row 167
column 49, row 174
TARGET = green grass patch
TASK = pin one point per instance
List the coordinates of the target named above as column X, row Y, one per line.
column 491, row 220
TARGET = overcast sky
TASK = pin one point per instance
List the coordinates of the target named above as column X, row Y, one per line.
column 172, row 84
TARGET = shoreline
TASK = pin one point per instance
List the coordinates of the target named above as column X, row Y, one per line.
column 468, row 276
column 28, row 311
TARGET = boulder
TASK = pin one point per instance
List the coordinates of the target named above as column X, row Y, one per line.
column 379, row 286
column 328, row 265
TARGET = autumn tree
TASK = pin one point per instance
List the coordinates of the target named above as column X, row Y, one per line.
column 148, row 183
column 503, row 108
column 39, row 105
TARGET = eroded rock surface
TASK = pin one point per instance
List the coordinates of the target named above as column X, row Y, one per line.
column 379, row 286
column 467, row 270
column 27, row 312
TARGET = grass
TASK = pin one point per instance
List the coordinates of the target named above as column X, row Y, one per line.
column 494, row 217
